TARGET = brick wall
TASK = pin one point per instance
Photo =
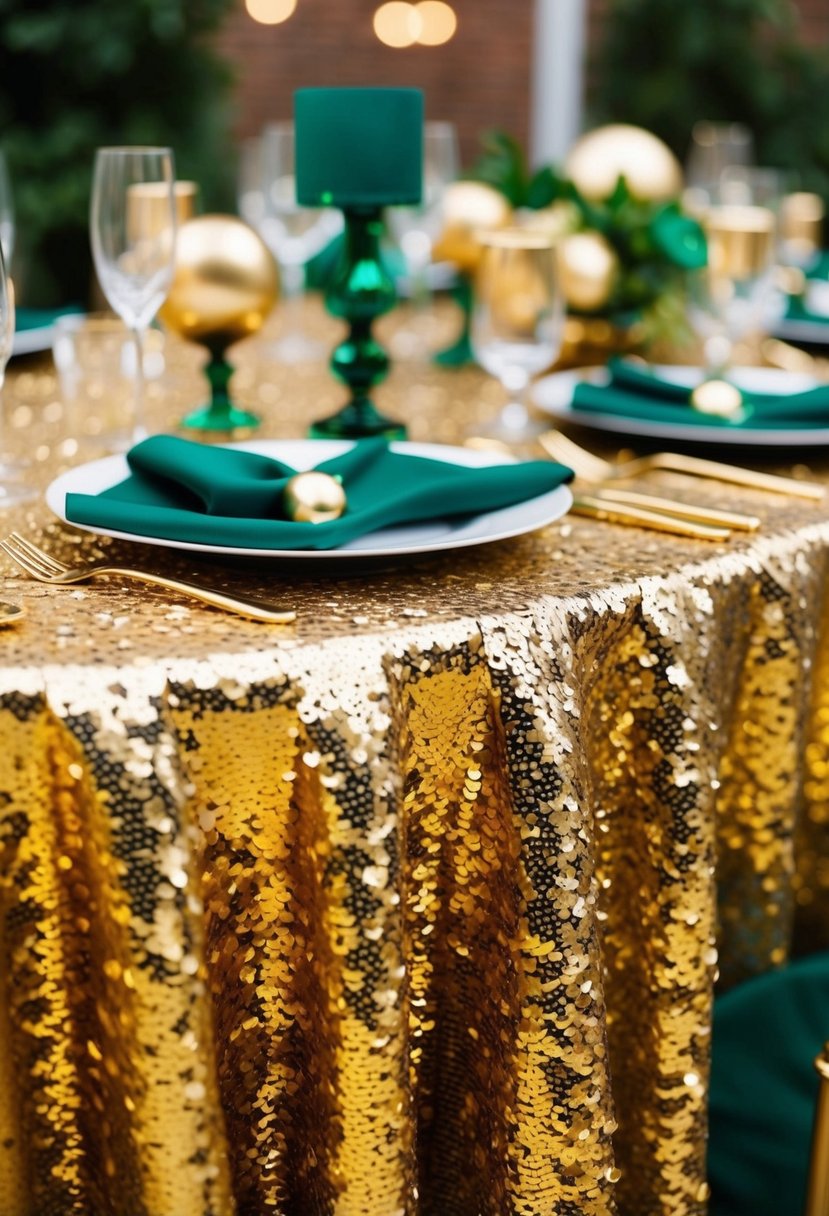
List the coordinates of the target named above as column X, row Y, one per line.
column 478, row 80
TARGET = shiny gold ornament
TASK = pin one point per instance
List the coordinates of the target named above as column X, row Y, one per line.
column 718, row 398
column 469, row 208
column 588, row 266
column 597, row 161
column 314, row 498
column 225, row 282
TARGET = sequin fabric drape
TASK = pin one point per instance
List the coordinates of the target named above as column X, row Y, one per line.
column 413, row 909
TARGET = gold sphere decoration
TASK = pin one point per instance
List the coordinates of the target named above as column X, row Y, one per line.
column 587, row 266
column 597, row 161
column 314, row 498
column 224, row 285
column 469, row 208
column 718, row 399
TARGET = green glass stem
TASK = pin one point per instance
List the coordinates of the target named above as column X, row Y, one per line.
column 460, row 353
column 221, row 414
column 360, row 290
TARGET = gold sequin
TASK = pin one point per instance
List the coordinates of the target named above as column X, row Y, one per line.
column 417, row 907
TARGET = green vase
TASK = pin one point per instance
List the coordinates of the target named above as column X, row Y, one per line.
column 360, row 290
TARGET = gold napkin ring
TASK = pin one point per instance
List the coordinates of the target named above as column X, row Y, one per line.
column 314, row 498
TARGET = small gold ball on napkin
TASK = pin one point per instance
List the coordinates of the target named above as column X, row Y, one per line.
column 314, row 498
column 719, row 398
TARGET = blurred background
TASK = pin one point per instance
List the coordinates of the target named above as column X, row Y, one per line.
column 206, row 75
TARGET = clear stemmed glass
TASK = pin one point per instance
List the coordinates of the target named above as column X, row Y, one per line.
column 11, row 491
column 517, row 319
column 133, row 244
column 6, row 213
column 735, row 296
column 294, row 234
column 415, row 229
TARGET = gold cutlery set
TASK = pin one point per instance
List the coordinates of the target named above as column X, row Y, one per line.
column 604, row 500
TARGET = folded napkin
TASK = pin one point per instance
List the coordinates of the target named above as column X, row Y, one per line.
column 185, row 491
column 636, row 392
column 42, row 318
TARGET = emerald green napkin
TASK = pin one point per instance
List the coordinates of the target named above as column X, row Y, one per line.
column 636, row 392
column 185, row 491
column 41, row 318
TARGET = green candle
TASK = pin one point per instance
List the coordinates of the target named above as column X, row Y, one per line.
column 359, row 148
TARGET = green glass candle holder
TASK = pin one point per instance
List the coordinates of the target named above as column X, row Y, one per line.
column 360, row 290
column 360, row 150
column 220, row 414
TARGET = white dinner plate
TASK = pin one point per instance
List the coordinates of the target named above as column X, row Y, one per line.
column 425, row 537
column 29, row 341
column 553, row 394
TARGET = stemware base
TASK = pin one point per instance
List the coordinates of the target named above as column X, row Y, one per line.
column 14, row 493
column 220, row 416
column 357, row 423
column 224, row 421
column 514, row 424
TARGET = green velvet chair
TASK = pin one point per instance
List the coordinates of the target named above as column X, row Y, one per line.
column 764, row 1089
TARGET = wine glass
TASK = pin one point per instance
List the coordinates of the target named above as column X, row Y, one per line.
column 11, row 491
column 294, row 234
column 6, row 213
column 415, row 229
column 736, row 295
column 250, row 184
column 715, row 147
column 517, row 319
column 133, row 244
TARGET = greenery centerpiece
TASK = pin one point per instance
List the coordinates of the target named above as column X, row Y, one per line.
column 626, row 246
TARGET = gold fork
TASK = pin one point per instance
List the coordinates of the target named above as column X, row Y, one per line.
column 593, row 468
column 47, row 569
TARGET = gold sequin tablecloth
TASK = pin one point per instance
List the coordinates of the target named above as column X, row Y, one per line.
column 410, row 909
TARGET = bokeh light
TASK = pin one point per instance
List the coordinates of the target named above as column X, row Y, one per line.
column 398, row 24
column 270, row 12
column 438, row 22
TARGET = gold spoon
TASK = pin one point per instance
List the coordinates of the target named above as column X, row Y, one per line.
column 10, row 613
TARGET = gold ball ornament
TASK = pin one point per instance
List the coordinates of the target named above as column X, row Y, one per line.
column 597, row 161
column 587, row 266
column 718, row 399
column 314, row 498
column 224, row 285
column 469, row 208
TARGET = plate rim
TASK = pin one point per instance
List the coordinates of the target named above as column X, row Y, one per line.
column 692, row 433
column 558, row 502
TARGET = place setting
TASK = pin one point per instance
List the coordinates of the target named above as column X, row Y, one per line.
column 358, row 489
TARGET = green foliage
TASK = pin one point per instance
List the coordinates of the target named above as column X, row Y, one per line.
column 78, row 74
column 655, row 242
column 663, row 65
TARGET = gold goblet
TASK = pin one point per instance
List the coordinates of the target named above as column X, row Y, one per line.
column 224, row 286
